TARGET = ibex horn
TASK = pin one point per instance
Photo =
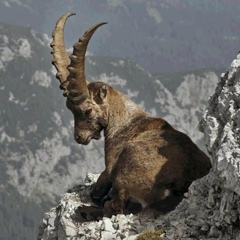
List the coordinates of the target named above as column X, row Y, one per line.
column 60, row 56
column 77, row 87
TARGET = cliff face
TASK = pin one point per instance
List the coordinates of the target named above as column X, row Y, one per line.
column 211, row 207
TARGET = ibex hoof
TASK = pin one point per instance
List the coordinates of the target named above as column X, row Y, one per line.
column 88, row 213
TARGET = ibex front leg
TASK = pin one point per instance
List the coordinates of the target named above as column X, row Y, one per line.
column 99, row 196
column 118, row 202
column 100, row 191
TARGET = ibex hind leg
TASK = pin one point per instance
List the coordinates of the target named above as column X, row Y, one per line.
column 167, row 204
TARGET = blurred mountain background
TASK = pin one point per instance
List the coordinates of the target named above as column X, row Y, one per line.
column 166, row 55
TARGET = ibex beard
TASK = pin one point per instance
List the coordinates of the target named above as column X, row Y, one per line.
column 146, row 159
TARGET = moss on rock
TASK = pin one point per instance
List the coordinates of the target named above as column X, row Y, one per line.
column 151, row 235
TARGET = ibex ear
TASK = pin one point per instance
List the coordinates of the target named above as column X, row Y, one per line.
column 103, row 91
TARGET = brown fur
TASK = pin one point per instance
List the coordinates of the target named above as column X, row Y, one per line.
column 146, row 159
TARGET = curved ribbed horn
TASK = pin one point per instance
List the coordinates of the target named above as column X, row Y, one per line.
column 77, row 87
column 60, row 56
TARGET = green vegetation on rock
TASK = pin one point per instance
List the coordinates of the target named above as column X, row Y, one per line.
column 151, row 235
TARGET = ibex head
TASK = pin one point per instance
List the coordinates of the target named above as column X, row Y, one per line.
column 87, row 101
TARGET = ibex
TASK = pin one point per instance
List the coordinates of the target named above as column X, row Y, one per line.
column 146, row 159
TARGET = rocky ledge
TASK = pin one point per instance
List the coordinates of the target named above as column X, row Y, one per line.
column 211, row 207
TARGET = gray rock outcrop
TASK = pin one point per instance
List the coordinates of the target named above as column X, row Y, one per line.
column 211, row 207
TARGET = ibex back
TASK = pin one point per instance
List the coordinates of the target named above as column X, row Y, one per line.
column 146, row 159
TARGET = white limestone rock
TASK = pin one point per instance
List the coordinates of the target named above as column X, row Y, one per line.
column 60, row 223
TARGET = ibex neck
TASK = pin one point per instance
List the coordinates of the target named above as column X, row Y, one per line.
column 121, row 113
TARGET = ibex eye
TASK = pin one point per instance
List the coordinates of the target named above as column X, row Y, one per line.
column 88, row 111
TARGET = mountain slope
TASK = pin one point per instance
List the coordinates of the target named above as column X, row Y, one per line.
column 19, row 217
column 161, row 35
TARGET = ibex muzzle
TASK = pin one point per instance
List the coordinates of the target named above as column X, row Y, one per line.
column 146, row 158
